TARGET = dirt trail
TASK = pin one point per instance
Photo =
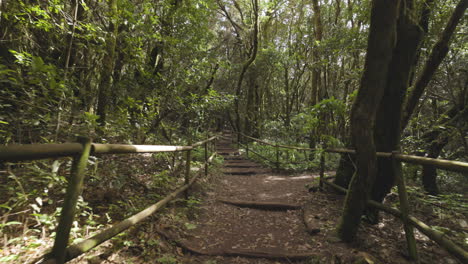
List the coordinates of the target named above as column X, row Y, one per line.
column 251, row 212
column 254, row 215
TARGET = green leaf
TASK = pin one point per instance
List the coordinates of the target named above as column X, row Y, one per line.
column 190, row 226
column 9, row 258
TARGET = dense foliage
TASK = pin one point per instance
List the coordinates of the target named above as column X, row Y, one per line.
column 171, row 71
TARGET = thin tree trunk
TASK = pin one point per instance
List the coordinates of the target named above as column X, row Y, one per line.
column 246, row 65
column 437, row 139
column 316, row 69
column 439, row 51
column 108, row 66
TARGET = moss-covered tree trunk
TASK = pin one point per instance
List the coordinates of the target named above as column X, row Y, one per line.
column 318, row 29
column 382, row 36
column 345, row 171
column 107, row 65
column 246, row 65
column 387, row 127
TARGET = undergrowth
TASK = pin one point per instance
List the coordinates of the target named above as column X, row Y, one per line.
column 115, row 188
column 290, row 159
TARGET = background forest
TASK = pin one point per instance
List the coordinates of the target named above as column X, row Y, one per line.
column 142, row 71
column 172, row 71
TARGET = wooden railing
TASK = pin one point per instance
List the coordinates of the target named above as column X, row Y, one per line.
column 80, row 153
column 404, row 213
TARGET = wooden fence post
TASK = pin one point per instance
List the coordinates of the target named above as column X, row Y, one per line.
column 247, row 148
column 322, row 168
column 405, row 210
column 277, row 156
column 206, row 159
column 187, row 167
column 74, row 189
column 213, row 146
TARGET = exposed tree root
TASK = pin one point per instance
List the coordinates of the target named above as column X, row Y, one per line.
column 273, row 254
column 240, row 173
column 271, row 206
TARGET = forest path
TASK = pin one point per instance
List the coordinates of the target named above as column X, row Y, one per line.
column 267, row 224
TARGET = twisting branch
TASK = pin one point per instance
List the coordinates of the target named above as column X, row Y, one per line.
column 439, row 51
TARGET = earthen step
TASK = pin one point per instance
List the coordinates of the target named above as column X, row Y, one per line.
column 234, row 158
column 240, row 165
column 243, row 171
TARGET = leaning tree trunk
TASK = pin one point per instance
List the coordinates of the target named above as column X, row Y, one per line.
column 379, row 53
column 439, row 51
column 387, row 127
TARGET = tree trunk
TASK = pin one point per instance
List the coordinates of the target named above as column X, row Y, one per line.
column 315, row 53
column 439, row 51
column 437, row 139
column 381, row 41
column 108, row 66
column 246, row 65
column 387, row 128
column 345, row 171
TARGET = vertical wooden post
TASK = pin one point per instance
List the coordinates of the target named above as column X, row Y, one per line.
column 277, row 157
column 206, row 159
column 322, row 168
column 247, row 148
column 188, row 160
column 74, row 188
column 405, row 210
column 213, row 146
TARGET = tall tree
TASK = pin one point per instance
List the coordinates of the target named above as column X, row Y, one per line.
column 387, row 128
column 316, row 64
column 108, row 64
column 247, row 63
column 382, row 39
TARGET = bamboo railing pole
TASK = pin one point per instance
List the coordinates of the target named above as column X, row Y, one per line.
column 74, row 189
column 126, row 149
column 79, row 248
column 405, row 211
column 261, row 156
column 39, row 151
